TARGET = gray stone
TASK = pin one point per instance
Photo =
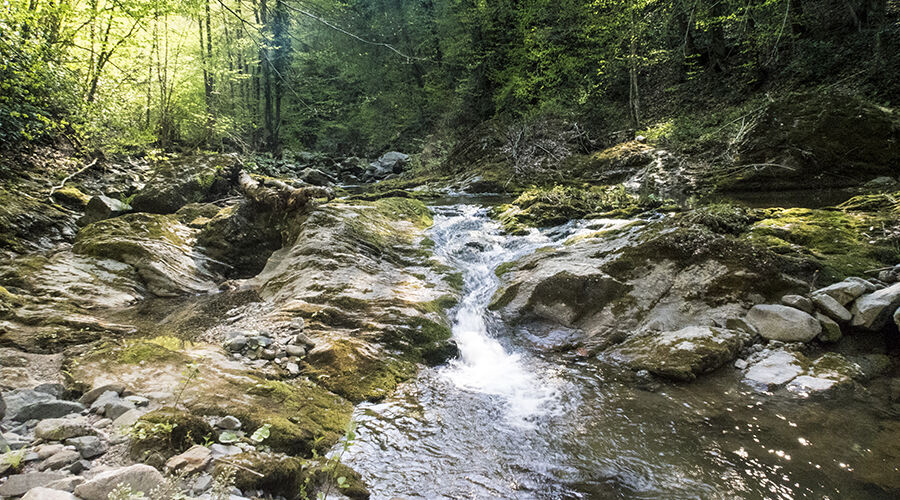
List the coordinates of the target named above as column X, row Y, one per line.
column 66, row 483
column 40, row 493
column 787, row 324
column 196, row 458
column 897, row 317
column 46, row 451
column 58, row 429
column 2, row 407
column 102, row 207
column 127, row 419
column 805, row 384
column 798, row 302
column 292, row 368
column 19, row 484
column 88, row 446
column 295, row 350
column 869, row 286
column 59, row 460
column 15, row 441
column 315, row 177
column 229, row 423
column 116, row 409
column 236, row 344
column 844, row 292
column 774, row 370
column 832, row 308
column 268, row 354
column 202, row 483
column 99, row 404
column 55, row 390
column 78, row 467
column 872, row 312
column 831, row 331
column 89, row 397
column 138, row 477
column 740, row 364
column 48, row 409
column 20, row 398
column 887, row 276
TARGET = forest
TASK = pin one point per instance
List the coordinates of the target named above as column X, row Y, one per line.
column 363, row 77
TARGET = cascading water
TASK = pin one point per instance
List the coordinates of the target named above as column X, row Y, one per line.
column 504, row 421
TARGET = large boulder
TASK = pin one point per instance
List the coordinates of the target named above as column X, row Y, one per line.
column 174, row 184
column 774, row 369
column 873, row 312
column 47, row 409
column 682, row 354
column 139, row 477
column 777, row 322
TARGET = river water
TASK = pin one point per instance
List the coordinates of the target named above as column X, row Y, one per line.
column 507, row 420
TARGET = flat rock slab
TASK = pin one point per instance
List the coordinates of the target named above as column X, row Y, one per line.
column 139, row 477
column 774, row 370
column 844, row 292
column 58, row 429
column 48, row 409
column 19, row 484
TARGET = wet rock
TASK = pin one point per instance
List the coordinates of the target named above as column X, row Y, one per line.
column 140, row 478
column 19, row 484
column 831, row 331
column 18, row 399
column 682, row 354
column 845, row 292
column 60, row 460
column 102, row 207
column 88, row 446
column 872, row 312
column 775, row 322
column 798, row 302
column 48, row 494
column 832, row 308
column 775, row 369
column 316, row 177
column 48, row 409
column 58, row 429
column 805, row 384
column 194, row 459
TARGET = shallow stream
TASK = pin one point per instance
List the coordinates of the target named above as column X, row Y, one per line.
column 510, row 419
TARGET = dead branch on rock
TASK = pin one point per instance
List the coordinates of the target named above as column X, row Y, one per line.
column 279, row 195
column 67, row 179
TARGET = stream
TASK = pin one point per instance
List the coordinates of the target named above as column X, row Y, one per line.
column 510, row 419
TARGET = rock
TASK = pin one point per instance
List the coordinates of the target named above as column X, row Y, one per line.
column 59, row 460
column 774, row 370
column 832, row 308
column 201, row 484
column 88, row 446
column 58, row 429
column 897, row 317
column 682, row 354
column 102, row 207
column 47, row 409
column 140, row 478
column 116, row 409
column 394, row 161
column 138, row 401
column 78, row 467
column 887, row 276
column 316, row 177
column 89, row 397
column 805, row 384
column 196, row 458
column 46, row 451
column 740, row 364
column 19, row 398
column 40, row 493
column 99, row 404
column 798, row 302
column 295, row 350
column 236, row 344
column 55, row 390
column 2, row 407
column 844, row 292
column 267, row 354
column 127, row 419
column 174, row 184
column 872, row 312
column 19, row 484
column 292, row 368
column 229, row 423
column 775, row 322
column 831, row 331
column 868, row 285
column 66, row 483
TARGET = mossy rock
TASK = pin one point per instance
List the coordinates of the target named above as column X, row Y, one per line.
column 293, row 477
column 843, row 242
column 194, row 211
column 347, row 368
column 167, row 431
column 71, row 196
column 175, row 184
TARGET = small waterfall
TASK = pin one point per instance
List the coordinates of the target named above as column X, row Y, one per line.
column 467, row 239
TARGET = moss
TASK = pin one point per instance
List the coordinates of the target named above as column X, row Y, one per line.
column 843, row 242
column 292, row 477
column 878, row 202
column 155, row 349
column 126, row 235
column 455, row 280
column 71, row 195
column 346, row 369
column 405, row 209
column 167, row 431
